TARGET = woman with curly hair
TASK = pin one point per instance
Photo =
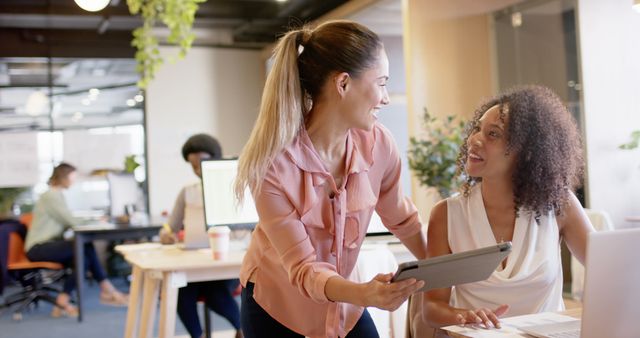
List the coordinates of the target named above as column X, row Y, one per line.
column 522, row 158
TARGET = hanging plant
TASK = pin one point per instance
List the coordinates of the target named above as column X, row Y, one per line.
column 177, row 15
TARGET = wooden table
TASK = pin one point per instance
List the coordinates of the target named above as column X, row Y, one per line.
column 575, row 313
column 106, row 231
column 158, row 268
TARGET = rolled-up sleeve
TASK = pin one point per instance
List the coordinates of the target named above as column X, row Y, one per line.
column 281, row 223
column 396, row 211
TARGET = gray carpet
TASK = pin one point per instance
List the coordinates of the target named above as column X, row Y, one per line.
column 98, row 320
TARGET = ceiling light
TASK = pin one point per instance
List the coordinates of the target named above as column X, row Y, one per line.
column 131, row 102
column 138, row 98
column 516, row 19
column 77, row 116
column 636, row 5
column 94, row 91
column 37, row 103
column 92, row 5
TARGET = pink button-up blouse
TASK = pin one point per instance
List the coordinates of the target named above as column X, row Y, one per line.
column 305, row 236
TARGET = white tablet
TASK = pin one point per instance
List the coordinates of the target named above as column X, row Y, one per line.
column 454, row 269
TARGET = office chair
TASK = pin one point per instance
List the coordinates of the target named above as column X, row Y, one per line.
column 36, row 285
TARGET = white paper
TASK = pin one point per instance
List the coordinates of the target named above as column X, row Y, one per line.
column 509, row 325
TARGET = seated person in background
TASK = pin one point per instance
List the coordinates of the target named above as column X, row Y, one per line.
column 218, row 294
column 45, row 242
column 522, row 158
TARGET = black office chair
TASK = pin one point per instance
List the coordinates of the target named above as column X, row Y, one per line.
column 36, row 278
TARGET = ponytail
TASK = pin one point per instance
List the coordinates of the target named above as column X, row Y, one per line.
column 280, row 117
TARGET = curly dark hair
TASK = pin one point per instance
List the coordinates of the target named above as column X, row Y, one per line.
column 202, row 143
column 545, row 139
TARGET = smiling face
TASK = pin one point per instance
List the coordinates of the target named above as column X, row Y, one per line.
column 366, row 94
column 488, row 143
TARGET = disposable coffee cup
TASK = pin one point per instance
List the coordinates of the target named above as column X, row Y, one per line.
column 219, row 241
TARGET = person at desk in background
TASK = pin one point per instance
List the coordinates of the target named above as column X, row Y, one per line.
column 218, row 294
column 318, row 164
column 45, row 242
column 522, row 158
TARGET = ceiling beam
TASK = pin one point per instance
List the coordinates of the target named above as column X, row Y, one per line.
column 65, row 43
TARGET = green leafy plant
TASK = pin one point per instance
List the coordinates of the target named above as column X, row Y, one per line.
column 130, row 163
column 177, row 15
column 433, row 159
column 634, row 143
column 7, row 198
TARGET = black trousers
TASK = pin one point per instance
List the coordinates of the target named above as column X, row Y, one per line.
column 257, row 323
column 61, row 251
column 217, row 297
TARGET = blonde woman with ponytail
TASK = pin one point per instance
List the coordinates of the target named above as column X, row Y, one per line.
column 318, row 164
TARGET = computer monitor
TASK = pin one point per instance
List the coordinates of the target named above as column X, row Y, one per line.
column 376, row 228
column 220, row 203
column 124, row 191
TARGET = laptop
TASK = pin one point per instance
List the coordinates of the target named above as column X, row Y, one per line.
column 611, row 303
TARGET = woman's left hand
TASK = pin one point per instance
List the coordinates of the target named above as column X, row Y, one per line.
column 383, row 294
column 484, row 316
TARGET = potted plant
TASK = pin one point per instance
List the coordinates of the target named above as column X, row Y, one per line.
column 177, row 15
column 7, row 199
column 634, row 143
column 433, row 159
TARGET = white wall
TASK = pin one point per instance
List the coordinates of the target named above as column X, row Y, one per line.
column 394, row 116
column 610, row 51
column 215, row 91
column 448, row 70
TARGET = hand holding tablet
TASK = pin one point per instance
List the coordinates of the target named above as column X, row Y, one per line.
column 454, row 269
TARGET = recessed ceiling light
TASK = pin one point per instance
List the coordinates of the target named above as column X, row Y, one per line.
column 138, row 98
column 131, row 102
column 94, row 91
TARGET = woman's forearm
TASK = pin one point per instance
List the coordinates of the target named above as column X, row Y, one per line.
column 417, row 244
column 439, row 313
column 338, row 289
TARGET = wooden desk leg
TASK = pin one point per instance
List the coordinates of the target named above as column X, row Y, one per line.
column 149, row 304
column 135, row 295
column 78, row 245
column 168, row 305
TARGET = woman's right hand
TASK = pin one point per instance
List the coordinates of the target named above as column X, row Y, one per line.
column 167, row 237
column 383, row 294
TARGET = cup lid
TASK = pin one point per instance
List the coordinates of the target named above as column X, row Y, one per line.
column 219, row 229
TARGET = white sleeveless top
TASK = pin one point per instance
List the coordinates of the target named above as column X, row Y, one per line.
column 531, row 281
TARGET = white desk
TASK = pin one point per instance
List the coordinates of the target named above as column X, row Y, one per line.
column 152, row 264
column 511, row 333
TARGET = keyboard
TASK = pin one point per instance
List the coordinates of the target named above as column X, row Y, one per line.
column 568, row 329
column 565, row 334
